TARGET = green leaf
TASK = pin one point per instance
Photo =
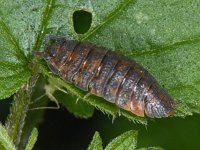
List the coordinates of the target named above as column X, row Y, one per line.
column 22, row 25
column 163, row 36
column 32, row 139
column 151, row 148
column 26, row 20
column 5, row 139
column 13, row 66
column 127, row 140
column 159, row 35
column 96, row 143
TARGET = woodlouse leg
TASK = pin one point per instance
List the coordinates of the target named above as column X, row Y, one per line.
column 37, row 99
column 84, row 97
column 62, row 90
column 49, row 92
column 87, row 95
column 77, row 99
column 119, row 112
column 113, row 118
column 52, row 98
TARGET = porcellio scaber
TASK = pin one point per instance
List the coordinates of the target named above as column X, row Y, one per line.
column 107, row 74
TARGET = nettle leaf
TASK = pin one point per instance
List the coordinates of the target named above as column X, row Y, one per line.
column 13, row 66
column 96, row 143
column 127, row 140
column 151, row 148
column 5, row 140
column 26, row 20
column 19, row 21
column 163, row 36
column 32, row 139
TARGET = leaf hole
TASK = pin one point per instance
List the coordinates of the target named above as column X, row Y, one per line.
column 82, row 21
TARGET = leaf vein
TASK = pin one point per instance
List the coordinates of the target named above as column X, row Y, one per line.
column 12, row 39
column 167, row 47
column 44, row 20
column 110, row 17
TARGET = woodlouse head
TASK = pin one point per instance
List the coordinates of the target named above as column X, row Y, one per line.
column 52, row 47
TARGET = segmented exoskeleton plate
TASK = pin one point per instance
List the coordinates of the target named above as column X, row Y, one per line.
column 109, row 75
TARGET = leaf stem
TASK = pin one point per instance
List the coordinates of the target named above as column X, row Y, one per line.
column 18, row 111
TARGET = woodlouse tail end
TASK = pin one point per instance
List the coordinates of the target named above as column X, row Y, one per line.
column 171, row 112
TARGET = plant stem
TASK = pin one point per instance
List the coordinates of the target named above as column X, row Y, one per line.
column 18, row 111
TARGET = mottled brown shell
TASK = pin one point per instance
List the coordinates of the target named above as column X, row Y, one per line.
column 109, row 75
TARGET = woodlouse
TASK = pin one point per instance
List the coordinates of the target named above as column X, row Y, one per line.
column 107, row 74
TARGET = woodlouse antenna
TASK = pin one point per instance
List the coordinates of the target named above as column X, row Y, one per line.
column 42, row 54
column 38, row 53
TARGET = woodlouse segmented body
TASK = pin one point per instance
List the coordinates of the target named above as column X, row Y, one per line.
column 109, row 75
